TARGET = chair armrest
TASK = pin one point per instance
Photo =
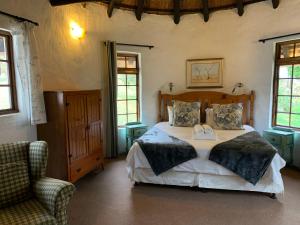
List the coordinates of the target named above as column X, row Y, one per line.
column 54, row 195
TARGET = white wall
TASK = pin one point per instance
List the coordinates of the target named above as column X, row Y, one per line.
column 72, row 64
column 225, row 35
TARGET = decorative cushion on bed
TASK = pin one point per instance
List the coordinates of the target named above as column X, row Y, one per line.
column 170, row 115
column 186, row 114
column 14, row 183
column 228, row 116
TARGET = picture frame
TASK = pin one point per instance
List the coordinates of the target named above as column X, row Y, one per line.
column 204, row 73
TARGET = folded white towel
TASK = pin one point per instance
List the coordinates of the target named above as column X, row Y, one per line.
column 207, row 129
column 198, row 129
column 204, row 132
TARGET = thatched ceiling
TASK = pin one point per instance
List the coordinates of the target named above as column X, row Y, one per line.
column 173, row 7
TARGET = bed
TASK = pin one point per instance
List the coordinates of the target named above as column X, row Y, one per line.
column 200, row 171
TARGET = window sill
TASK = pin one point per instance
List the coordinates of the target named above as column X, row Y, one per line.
column 11, row 113
column 283, row 128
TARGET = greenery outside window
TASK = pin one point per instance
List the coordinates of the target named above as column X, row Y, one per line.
column 8, row 95
column 286, row 96
column 128, row 109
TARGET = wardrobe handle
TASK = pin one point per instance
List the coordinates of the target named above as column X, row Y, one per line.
column 78, row 170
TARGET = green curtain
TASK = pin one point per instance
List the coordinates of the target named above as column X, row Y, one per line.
column 109, row 100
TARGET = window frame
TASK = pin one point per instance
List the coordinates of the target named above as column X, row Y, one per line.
column 11, row 70
column 283, row 62
column 126, row 71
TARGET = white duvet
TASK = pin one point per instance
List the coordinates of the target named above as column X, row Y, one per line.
column 201, row 164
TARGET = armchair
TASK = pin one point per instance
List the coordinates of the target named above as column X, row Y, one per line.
column 45, row 200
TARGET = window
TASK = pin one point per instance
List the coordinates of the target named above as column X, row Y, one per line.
column 8, row 97
column 286, row 97
column 127, row 89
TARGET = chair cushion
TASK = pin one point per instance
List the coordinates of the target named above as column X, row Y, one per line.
column 30, row 212
column 14, row 152
column 14, row 183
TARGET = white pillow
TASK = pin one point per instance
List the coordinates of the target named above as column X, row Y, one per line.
column 170, row 114
column 210, row 117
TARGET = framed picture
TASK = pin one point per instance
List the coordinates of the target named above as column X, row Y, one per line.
column 204, row 73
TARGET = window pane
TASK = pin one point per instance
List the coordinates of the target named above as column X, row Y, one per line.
column 3, row 51
column 297, row 51
column 295, row 120
column 131, row 62
column 121, row 93
column 121, row 62
column 132, row 106
column 283, row 104
column 285, row 71
column 283, row 119
column 296, row 87
column 5, row 99
column 4, row 75
column 122, row 120
column 284, row 87
column 296, row 105
column 296, row 71
column 132, row 118
column 287, row 51
column 121, row 79
column 131, row 92
column 131, row 79
column 121, row 107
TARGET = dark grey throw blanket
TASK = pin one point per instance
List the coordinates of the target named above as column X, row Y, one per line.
column 248, row 155
column 164, row 152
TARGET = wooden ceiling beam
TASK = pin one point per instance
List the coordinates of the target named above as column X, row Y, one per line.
column 66, row 2
column 176, row 11
column 275, row 3
column 110, row 7
column 240, row 7
column 140, row 9
column 205, row 10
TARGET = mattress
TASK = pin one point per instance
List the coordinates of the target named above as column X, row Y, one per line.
column 137, row 163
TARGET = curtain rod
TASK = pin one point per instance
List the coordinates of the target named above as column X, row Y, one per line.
column 136, row 45
column 21, row 19
column 277, row 37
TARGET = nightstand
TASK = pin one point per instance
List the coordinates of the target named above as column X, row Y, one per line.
column 283, row 141
column 134, row 131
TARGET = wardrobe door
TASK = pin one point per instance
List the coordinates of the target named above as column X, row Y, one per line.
column 94, row 122
column 76, row 118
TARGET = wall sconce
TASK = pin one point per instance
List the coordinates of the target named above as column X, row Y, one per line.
column 237, row 87
column 171, row 86
column 77, row 32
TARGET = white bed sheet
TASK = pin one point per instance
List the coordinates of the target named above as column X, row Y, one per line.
column 201, row 165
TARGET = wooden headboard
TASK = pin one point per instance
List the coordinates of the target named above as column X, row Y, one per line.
column 207, row 98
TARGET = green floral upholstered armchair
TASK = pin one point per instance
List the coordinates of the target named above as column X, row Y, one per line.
column 26, row 195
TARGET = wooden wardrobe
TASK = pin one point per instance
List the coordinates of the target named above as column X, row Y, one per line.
column 73, row 133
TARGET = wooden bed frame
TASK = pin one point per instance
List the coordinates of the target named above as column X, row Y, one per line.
column 207, row 98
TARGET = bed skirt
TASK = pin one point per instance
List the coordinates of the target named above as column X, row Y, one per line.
column 210, row 181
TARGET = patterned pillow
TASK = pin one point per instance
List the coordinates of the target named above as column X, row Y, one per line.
column 186, row 114
column 228, row 116
column 14, row 183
